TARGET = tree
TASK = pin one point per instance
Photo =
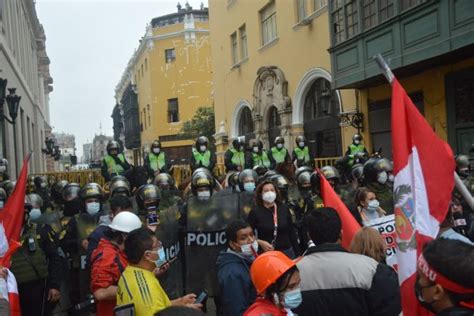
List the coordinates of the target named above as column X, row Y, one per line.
column 202, row 124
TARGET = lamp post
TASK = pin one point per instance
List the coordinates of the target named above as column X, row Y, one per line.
column 3, row 88
column 13, row 102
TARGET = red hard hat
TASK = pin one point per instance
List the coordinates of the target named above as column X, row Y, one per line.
column 267, row 268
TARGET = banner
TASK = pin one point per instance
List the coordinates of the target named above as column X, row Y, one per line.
column 386, row 228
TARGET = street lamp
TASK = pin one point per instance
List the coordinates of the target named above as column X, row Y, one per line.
column 13, row 102
column 3, row 88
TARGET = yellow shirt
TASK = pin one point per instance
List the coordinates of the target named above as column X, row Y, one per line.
column 142, row 288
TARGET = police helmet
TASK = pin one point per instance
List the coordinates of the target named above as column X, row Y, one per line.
column 462, row 161
column 57, row 190
column 233, row 179
column 260, row 170
column 256, row 143
column 35, row 200
column 202, row 169
column 330, row 172
column 315, row 182
column 238, row 142
column 164, row 180
column 8, row 186
column 3, row 162
column 201, row 179
column 269, row 174
column 372, row 169
column 244, row 175
column 302, row 170
column 303, row 180
column 148, row 197
column 202, row 141
column 279, row 140
column 71, row 192
column 92, row 190
column 357, row 172
column 40, row 182
column 281, row 183
column 113, row 145
column 156, row 144
column 119, row 185
column 384, row 164
column 357, row 137
column 299, row 139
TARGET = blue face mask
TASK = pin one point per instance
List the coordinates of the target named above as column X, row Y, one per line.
column 161, row 257
column 292, row 299
column 249, row 186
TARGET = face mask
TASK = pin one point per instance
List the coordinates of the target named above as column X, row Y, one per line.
column 202, row 148
column 292, row 299
column 204, row 195
column 373, row 206
column 391, row 178
column 3, row 168
column 256, row 150
column 93, row 208
column 279, row 146
column 382, row 177
column 43, row 185
column 419, row 296
column 241, row 148
column 301, row 144
column 2, row 204
column 161, row 257
column 249, row 186
column 35, row 213
column 357, row 142
column 247, row 249
column 269, row 196
column 156, row 150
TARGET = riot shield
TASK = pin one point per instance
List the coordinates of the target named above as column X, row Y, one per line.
column 51, row 218
column 246, row 203
column 205, row 238
column 168, row 233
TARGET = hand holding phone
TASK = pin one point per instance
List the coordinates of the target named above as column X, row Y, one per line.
column 201, row 297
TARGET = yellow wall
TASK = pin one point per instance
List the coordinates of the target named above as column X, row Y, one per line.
column 188, row 78
column 297, row 50
column 432, row 83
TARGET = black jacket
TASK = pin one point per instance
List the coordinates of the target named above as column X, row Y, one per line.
column 456, row 311
column 236, row 290
column 335, row 282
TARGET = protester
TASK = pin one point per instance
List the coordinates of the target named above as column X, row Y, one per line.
column 368, row 242
column 376, row 181
column 367, row 207
column 277, row 281
column 335, row 282
column 273, row 222
column 236, row 290
column 108, row 261
column 446, row 227
column 180, row 311
column 445, row 281
column 138, row 283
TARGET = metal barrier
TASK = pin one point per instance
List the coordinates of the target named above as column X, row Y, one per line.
column 81, row 177
column 327, row 161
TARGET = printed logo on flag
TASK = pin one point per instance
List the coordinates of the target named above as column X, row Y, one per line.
column 405, row 217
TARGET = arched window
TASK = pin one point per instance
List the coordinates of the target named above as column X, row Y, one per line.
column 246, row 127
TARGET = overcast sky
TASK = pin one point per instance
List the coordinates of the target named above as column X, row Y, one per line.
column 89, row 43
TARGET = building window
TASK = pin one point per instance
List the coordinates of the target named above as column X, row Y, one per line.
column 142, row 70
column 170, row 55
column 338, row 21
column 243, row 42
column 234, row 48
column 268, row 20
column 386, row 9
column 352, row 19
column 301, row 9
column 173, row 110
column 369, row 13
column 149, row 116
column 319, row 4
column 406, row 4
column 146, row 64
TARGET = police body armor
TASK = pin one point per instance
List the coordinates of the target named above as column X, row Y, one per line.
column 29, row 263
column 205, row 238
column 246, row 203
column 157, row 161
column 168, row 233
column 279, row 155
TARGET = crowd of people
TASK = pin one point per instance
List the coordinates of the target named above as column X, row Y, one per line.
column 259, row 241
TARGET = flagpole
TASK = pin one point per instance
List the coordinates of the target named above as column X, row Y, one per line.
column 387, row 72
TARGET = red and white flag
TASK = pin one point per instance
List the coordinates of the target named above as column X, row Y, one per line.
column 424, row 180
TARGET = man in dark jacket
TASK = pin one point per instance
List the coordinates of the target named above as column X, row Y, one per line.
column 236, row 290
column 335, row 282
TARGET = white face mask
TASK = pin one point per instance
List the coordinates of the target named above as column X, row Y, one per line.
column 3, row 168
column 2, row 204
column 247, row 249
column 357, row 142
column 43, row 185
column 382, row 177
column 269, row 196
column 202, row 148
column 373, row 206
column 255, row 150
column 156, row 150
column 301, row 144
column 35, row 213
column 204, row 195
column 93, row 208
column 391, row 178
column 279, row 146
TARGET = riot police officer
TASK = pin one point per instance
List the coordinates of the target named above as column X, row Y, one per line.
column 281, row 183
column 8, row 186
column 57, row 189
column 3, row 170
column 36, row 264
column 234, row 158
column 148, row 199
column 75, row 241
column 301, row 154
column 156, row 161
column 3, row 198
column 332, row 175
column 248, row 180
column 376, row 180
column 42, row 189
column 259, row 156
column 201, row 156
column 356, row 152
column 463, row 169
column 72, row 200
column 279, row 154
column 119, row 185
column 114, row 163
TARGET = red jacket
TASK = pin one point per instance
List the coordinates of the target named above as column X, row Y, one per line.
column 108, row 263
column 262, row 306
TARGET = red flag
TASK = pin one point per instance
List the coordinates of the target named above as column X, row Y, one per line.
column 424, row 180
column 349, row 225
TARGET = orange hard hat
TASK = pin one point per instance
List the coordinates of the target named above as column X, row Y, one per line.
column 268, row 267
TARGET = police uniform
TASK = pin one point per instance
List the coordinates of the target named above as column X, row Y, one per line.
column 352, row 150
column 278, row 157
column 157, row 162
column 37, row 268
column 233, row 159
column 298, row 209
column 302, row 157
column 113, row 166
column 206, row 160
column 259, row 159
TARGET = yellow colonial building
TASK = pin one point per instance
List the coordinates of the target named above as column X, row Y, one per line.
column 272, row 75
column 170, row 73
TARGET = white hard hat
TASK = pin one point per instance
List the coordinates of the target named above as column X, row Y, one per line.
column 125, row 222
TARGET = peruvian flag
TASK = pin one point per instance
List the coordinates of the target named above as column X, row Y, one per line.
column 349, row 225
column 424, row 180
column 11, row 222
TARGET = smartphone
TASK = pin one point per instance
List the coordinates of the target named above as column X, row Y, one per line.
column 201, row 297
column 168, row 261
column 152, row 218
